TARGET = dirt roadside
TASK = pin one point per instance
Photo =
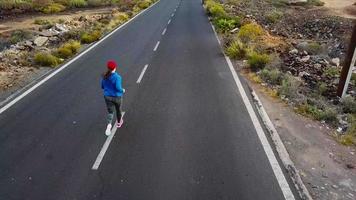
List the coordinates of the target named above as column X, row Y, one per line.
column 342, row 8
column 326, row 167
column 27, row 21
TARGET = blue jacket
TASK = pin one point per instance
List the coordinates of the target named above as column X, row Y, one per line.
column 112, row 86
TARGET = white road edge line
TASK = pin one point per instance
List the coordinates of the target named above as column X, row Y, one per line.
column 164, row 31
column 281, row 179
column 142, row 73
column 156, row 47
column 105, row 147
column 18, row 98
column 169, row 22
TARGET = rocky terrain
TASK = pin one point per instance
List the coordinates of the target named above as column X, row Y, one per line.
column 33, row 43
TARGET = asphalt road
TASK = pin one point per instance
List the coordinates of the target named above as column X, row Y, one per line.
column 187, row 132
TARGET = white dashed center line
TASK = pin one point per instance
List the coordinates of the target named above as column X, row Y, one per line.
column 156, row 47
column 142, row 73
column 164, row 31
column 105, row 147
column 169, row 22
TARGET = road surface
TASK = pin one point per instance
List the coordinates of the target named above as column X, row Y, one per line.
column 187, row 132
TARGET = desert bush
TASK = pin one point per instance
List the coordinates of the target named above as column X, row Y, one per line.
column 250, row 32
column 90, row 37
column 314, row 47
column 353, row 79
column 143, row 4
column 279, row 3
column 350, row 137
column 95, row 3
column 224, row 25
column 327, row 114
column 274, row 16
column 16, row 4
column 117, row 20
column 68, row 49
column 63, row 52
column 63, row 2
column 315, row 3
column 322, row 88
column 236, row 50
column 349, row 104
column 77, row 3
column 24, row 58
column 45, row 24
column 331, row 72
column 272, row 76
column 215, row 9
column 74, row 34
column 289, row 87
column 19, row 35
column 258, row 61
column 46, row 59
column 53, row 8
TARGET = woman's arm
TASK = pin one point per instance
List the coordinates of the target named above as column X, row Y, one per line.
column 118, row 84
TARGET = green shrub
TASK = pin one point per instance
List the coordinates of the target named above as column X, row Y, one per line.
column 47, row 59
column 77, row 3
column 16, row 4
column 289, row 87
column 42, row 22
column 53, row 8
column 279, row 3
column 236, row 50
column 215, row 9
column 315, row 3
column 314, row 48
column 95, row 3
column 331, row 72
column 224, row 25
column 349, row 104
column 63, row 2
column 258, row 61
column 250, row 32
column 63, row 52
column 322, row 88
column 272, row 76
column 274, row 16
column 119, row 18
column 68, row 49
column 19, row 35
column 328, row 114
column 90, row 37
column 353, row 79
column 74, row 34
column 144, row 4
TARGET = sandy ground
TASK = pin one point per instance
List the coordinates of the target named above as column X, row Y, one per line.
column 321, row 161
column 27, row 22
column 343, row 8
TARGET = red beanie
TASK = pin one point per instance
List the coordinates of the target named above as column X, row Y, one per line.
column 111, row 64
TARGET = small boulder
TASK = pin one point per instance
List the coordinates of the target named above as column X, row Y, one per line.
column 294, row 51
column 336, row 61
column 61, row 28
column 234, row 30
column 305, row 59
column 40, row 41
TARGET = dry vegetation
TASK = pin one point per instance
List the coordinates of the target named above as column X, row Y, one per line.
column 294, row 51
column 51, row 41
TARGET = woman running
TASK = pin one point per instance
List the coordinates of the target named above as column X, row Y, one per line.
column 113, row 91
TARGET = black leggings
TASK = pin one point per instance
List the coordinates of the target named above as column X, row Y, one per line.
column 113, row 104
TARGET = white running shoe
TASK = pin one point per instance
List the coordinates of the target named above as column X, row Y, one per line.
column 108, row 130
